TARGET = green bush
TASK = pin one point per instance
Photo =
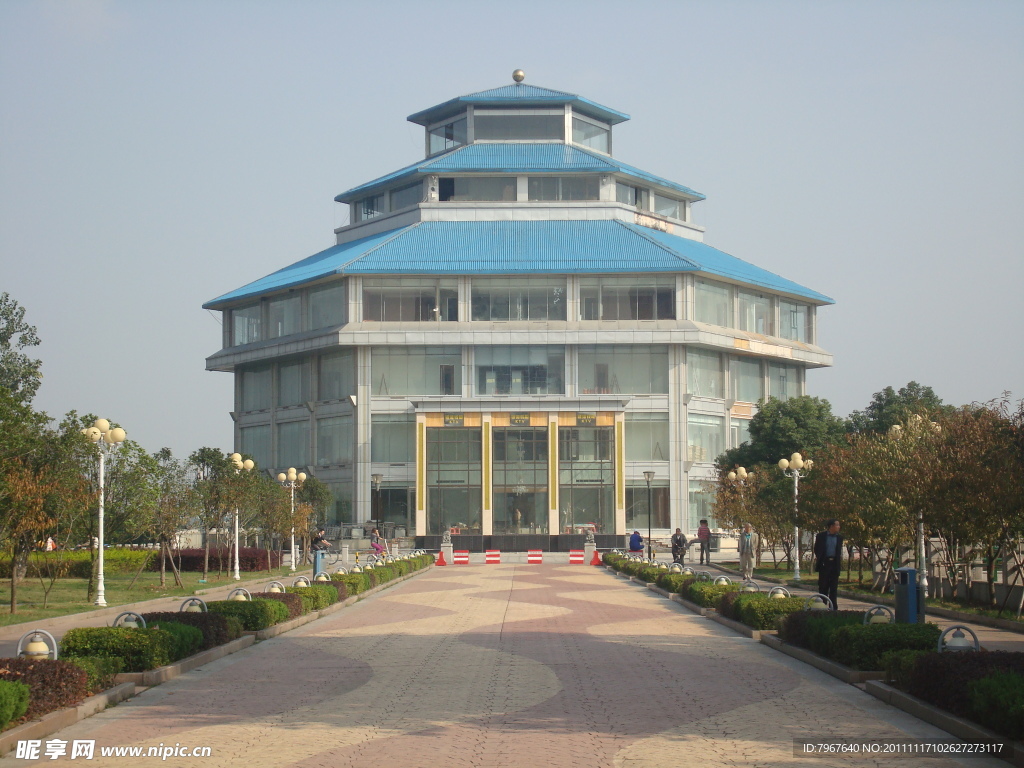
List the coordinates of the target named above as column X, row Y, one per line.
column 403, row 567
column 815, row 630
column 216, row 628
column 253, row 614
column 650, row 574
column 140, row 649
column 53, row 684
column 79, row 564
column 862, row 646
column 997, row 701
column 316, row 596
column 100, row 670
column 670, row 582
column 385, row 573
column 706, row 594
column 293, row 603
column 13, row 701
column 185, row 640
column 354, row 582
column 899, row 665
column 761, row 612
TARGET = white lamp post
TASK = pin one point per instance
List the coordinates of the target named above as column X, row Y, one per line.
column 796, row 467
column 107, row 440
column 292, row 480
column 377, row 479
column 239, row 465
column 649, row 476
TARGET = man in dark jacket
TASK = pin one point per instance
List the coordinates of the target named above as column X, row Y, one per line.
column 828, row 560
column 636, row 543
column 678, row 545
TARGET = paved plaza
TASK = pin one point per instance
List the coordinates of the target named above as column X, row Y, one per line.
column 504, row 665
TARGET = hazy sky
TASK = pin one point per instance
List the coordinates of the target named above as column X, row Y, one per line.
column 154, row 155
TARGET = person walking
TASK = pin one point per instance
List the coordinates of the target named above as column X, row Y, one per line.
column 828, row 560
column 636, row 543
column 704, row 539
column 678, row 546
column 748, row 547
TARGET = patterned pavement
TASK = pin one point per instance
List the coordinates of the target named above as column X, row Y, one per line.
column 503, row 665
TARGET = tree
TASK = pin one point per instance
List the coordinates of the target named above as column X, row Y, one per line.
column 214, row 492
column 20, row 375
column 176, row 505
column 890, row 407
column 782, row 427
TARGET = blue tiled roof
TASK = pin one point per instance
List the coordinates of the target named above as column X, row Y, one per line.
column 518, row 247
column 518, row 95
column 516, row 158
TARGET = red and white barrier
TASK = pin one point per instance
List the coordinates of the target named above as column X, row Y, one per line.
column 534, row 556
column 575, row 557
column 460, row 557
column 492, row 557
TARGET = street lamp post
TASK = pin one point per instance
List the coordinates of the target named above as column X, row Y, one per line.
column 239, row 466
column 107, row 440
column 796, row 467
column 292, row 480
column 377, row 479
column 649, row 476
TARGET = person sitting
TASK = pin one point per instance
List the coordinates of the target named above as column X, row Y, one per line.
column 678, row 545
column 636, row 543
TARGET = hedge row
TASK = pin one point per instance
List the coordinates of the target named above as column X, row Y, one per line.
column 52, row 684
column 79, row 564
column 254, row 614
column 216, row 628
column 250, row 559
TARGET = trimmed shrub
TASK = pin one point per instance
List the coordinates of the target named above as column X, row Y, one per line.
column 79, row 564
column 385, row 573
column 815, row 630
column 670, row 582
column 403, row 567
column 862, row 646
column 354, row 583
column 706, row 594
column 253, row 614
column 650, row 574
column 52, row 684
column 371, row 578
column 899, row 665
column 318, row 595
column 250, row 559
column 13, row 701
column 293, row 603
column 944, row 679
column 100, row 670
column 997, row 701
column 185, row 639
column 140, row 649
column 761, row 612
column 215, row 627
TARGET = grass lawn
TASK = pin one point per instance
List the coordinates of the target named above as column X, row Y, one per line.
column 69, row 595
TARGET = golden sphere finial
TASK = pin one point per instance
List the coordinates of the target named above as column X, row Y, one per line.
column 519, row 75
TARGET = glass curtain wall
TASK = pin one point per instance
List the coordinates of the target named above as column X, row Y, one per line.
column 255, row 442
column 410, row 299
column 521, row 298
column 477, row 189
column 293, row 383
column 293, row 444
column 637, row 516
column 783, row 380
column 545, row 188
column 590, row 135
column 448, row 135
column 340, row 512
column 334, row 440
column 746, row 379
column 704, row 376
column 520, row 370
column 647, row 436
column 396, row 515
column 504, row 126
column 645, row 297
column 586, row 479
column 702, row 498
column 453, row 480
column 520, row 467
column 755, row 312
column 623, row 369
column 337, row 377
column 257, row 388
column 328, row 305
column 795, row 321
column 248, row 324
column 393, row 438
column 705, row 437
column 401, row 371
column 284, row 316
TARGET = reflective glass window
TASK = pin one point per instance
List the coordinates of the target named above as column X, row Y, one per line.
column 453, row 479
column 255, row 442
column 248, row 324
column 643, row 297
column 542, row 188
column 704, row 375
column 448, row 136
column 702, row 499
column 783, row 381
column 404, row 197
column 666, row 206
column 293, row 382
column 477, row 189
column 410, row 299
column 520, row 479
column 794, row 321
column 284, row 315
column 755, row 312
column 368, row 208
column 337, row 377
column 590, row 135
column 705, row 437
column 392, row 438
column 637, row 503
column 747, row 380
column 401, row 371
column 518, row 298
column 520, row 370
column 504, row 127
column 257, row 388
column 740, row 432
column 340, row 511
column 293, row 444
column 334, row 439
column 711, row 303
column 328, row 305
column 647, row 436
column 586, row 484
column 623, row 369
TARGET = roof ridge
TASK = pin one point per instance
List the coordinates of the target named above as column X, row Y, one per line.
column 523, row 85
column 398, row 233
column 639, row 230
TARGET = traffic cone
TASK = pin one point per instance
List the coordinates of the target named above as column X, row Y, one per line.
column 596, row 560
column 440, row 558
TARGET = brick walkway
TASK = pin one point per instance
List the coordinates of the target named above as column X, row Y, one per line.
column 508, row 665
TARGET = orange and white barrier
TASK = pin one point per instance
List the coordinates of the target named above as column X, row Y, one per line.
column 460, row 557
column 492, row 557
column 534, row 556
column 575, row 557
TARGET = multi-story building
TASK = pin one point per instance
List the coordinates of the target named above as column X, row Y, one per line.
column 511, row 332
